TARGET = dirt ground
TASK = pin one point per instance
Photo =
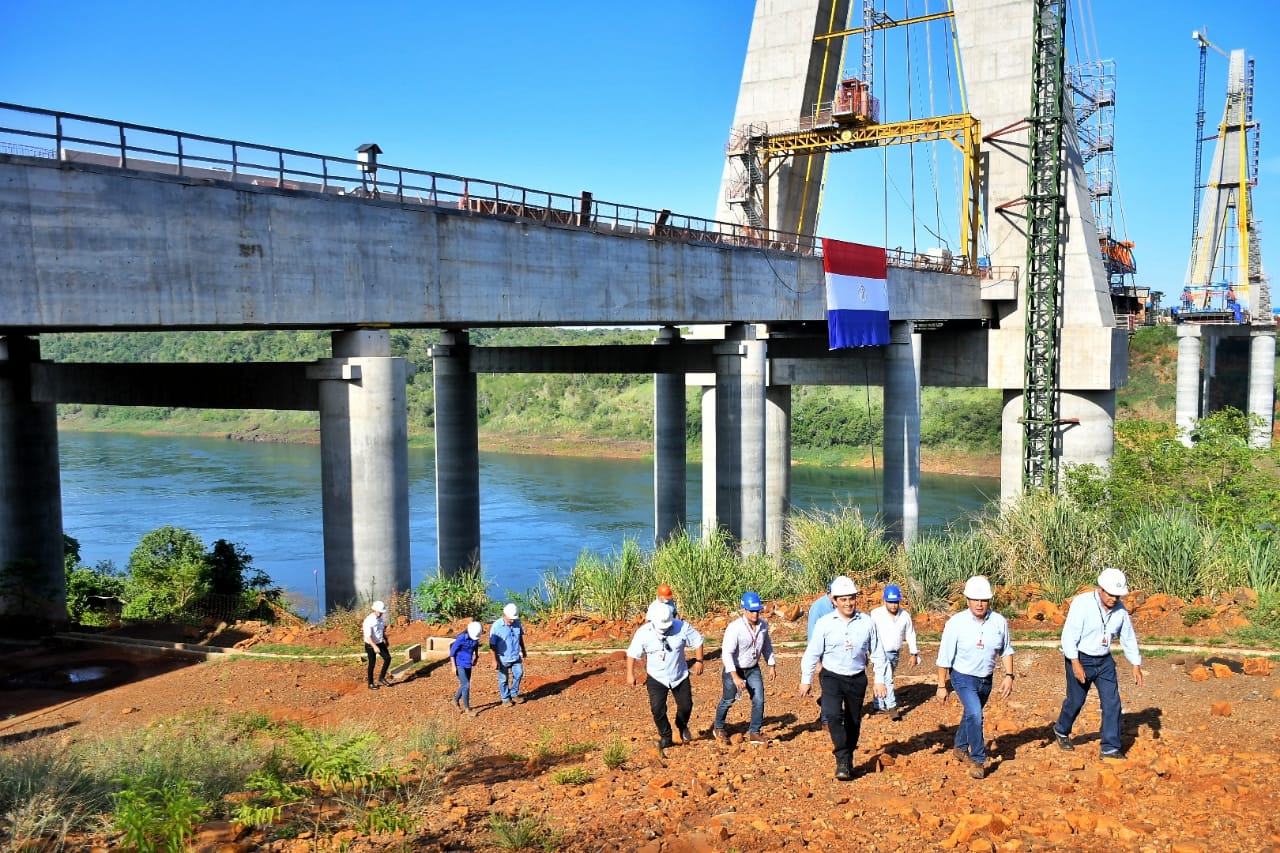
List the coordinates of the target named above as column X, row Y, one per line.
column 1201, row 773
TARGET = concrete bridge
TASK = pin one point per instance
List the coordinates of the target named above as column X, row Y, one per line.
column 110, row 226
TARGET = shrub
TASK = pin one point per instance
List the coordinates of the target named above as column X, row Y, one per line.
column 445, row 598
column 1050, row 542
column 521, row 832
column 826, row 544
column 937, row 567
column 616, row 754
column 156, row 816
column 616, row 586
column 571, row 776
column 1164, row 551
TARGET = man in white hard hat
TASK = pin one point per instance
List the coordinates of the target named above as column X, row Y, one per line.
column 506, row 641
column 661, row 642
column 973, row 642
column 845, row 642
column 374, row 630
column 1095, row 620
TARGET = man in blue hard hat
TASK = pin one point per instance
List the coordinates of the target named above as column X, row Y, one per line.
column 746, row 644
column 893, row 622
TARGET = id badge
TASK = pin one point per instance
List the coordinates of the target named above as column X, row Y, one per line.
column 1106, row 641
column 980, row 645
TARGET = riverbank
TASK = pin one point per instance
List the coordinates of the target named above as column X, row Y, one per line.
column 287, row 429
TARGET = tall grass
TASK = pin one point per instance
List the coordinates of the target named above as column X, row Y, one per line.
column 1165, row 551
column 937, row 567
column 706, row 576
column 616, row 586
column 826, row 544
column 1048, row 542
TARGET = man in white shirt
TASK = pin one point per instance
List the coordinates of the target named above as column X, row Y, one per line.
column 893, row 622
column 846, row 643
column 374, row 631
column 1094, row 620
column 746, row 644
column 661, row 642
column 973, row 640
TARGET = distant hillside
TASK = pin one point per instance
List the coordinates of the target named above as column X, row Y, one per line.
column 831, row 425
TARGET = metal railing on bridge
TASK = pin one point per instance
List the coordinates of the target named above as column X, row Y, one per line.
column 34, row 132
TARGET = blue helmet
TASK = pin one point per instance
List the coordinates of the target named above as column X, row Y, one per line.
column 751, row 601
column 892, row 593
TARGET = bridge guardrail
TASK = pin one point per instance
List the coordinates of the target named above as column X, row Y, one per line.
column 35, row 132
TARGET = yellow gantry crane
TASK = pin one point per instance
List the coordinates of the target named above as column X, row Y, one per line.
column 850, row 121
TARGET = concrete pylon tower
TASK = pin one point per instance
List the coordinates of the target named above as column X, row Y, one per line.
column 1226, row 326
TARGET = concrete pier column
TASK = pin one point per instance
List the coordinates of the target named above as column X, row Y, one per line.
column 740, row 367
column 902, row 434
column 710, row 513
column 457, row 454
column 777, row 475
column 1187, row 402
column 364, row 469
column 670, row 477
column 1262, row 385
column 32, row 580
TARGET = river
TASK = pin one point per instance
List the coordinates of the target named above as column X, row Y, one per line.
column 536, row 512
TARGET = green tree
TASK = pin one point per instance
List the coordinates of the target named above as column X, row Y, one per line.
column 167, row 574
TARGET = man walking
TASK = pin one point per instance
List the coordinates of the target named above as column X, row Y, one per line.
column 972, row 641
column 374, row 630
column 746, row 644
column 1094, row 620
column 661, row 641
column 506, row 641
column 845, row 642
column 894, row 625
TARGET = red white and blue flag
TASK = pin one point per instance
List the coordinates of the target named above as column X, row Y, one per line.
column 857, row 294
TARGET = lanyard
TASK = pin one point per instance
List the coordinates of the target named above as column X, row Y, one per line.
column 1105, row 617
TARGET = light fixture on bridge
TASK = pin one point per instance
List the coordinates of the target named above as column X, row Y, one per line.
column 367, row 160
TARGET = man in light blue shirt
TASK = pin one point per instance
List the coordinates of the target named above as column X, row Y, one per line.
column 973, row 640
column 506, row 641
column 1094, row 620
column 661, row 642
column 845, row 643
column 746, row 645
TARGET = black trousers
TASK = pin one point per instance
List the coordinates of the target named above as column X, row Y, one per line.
column 842, row 697
column 683, row 693
column 372, row 652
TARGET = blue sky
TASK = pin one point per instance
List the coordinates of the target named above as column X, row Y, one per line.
column 631, row 101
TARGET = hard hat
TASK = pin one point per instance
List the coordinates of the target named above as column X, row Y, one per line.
column 510, row 611
column 1113, row 581
column 473, row 630
column 751, row 601
column 892, row 593
column 978, row 588
column 664, row 591
column 379, row 607
column 843, row 586
column 660, row 615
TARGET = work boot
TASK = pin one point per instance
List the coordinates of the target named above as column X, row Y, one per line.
column 844, row 769
column 719, row 735
column 977, row 771
column 686, row 736
column 1064, row 741
column 372, row 686
column 383, row 681
column 895, row 714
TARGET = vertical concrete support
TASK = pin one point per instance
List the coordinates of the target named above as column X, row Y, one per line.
column 364, row 469
column 457, row 454
column 710, row 513
column 32, row 581
column 902, row 434
column 777, row 475
column 1187, row 402
column 1262, row 385
column 670, row 477
column 740, row 378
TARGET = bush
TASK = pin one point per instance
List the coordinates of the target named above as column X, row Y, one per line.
column 825, row 545
column 1049, row 542
column 445, row 598
column 937, row 567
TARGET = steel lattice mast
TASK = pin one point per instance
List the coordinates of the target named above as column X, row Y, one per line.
column 1046, row 202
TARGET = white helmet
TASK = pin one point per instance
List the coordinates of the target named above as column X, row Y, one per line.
column 659, row 614
column 511, row 611
column 979, row 588
column 1113, row 581
column 379, row 607
column 473, row 630
column 843, row 586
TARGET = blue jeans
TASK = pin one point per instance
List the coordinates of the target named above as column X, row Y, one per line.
column 889, row 700
column 729, row 695
column 973, row 692
column 509, row 675
column 464, row 687
column 1099, row 671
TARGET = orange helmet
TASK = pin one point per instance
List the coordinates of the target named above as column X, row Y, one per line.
column 664, row 591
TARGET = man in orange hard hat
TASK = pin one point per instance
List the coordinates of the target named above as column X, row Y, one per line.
column 664, row 595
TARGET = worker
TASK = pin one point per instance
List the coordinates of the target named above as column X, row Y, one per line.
column 1094, row 620
column 374, row 631
column 893, row 622
column 506, row 641
column 665, row 596
column 661, row 642
column 746, row 644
